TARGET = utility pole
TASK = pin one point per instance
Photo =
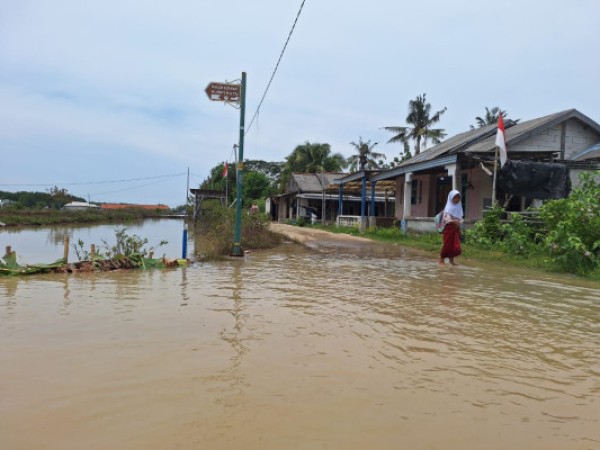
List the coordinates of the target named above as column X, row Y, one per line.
column 239, row 174
column 233, row 93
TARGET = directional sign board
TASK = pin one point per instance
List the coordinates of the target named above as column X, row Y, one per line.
column 223, row 92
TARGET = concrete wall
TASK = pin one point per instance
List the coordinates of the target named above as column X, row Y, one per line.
column 577, row 137
column 420, row 209
column 482, row 191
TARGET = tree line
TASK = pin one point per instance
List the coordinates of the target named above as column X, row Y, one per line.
column 53, row 198
column 263, row 179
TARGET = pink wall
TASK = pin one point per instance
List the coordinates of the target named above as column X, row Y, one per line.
column 419, row 209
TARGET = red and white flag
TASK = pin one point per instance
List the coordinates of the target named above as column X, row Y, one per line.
column 501, row 141
column 225, row 169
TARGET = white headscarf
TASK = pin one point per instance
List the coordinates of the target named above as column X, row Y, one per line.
column 455, row 210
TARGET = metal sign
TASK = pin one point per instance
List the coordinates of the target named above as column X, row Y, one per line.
column 223, row 92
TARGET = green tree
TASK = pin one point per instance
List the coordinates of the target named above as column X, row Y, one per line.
column 365, row 158
column 311, row 158
column 491, row 117
column 256, row 186
column 268, row 168
column 421, row 129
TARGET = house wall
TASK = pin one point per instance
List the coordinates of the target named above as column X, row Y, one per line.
column 475, row 198
column 481, row 193
column 420, row 209
column 577, row 137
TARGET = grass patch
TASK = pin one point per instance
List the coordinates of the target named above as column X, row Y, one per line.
column 215, row 231
column 432, row 243
column 42, row 217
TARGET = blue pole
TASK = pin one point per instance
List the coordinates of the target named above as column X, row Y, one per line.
column 340, row 203
column 184, row 244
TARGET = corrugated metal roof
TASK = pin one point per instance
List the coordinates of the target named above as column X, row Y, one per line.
column 482, row 140
column 589, row 153
column 314, row 182
column 452, row 145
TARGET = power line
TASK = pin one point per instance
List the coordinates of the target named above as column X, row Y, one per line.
column 82, row 183
column 128, row 189
column 276, row 67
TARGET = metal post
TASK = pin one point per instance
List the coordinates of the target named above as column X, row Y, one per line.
column 494, row 181
column 239, row 168
column 363, row 202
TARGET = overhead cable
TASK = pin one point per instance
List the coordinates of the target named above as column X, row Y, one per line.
column 276, row 66
column 97, row 182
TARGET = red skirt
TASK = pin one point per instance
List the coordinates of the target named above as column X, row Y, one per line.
column 451, row 246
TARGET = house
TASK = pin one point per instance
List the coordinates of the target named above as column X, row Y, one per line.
column 6, row 202
column 78, row 206
column 309, row 194
column 466, row 162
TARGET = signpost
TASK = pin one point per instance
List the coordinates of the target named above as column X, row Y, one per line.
column 223, row 92
column 234, row 93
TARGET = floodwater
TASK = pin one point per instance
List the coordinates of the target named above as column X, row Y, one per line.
column 334, row 346
column 46, row 244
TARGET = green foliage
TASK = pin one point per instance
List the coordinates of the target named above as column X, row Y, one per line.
column 311, row 158
column 573, row 239
column 259, row 180
column 491, row 117
column 569, row 233
column 421, row 123
column 488, row 231
column 14, row 217
column 126, row 245
column 365, row 157
column 55, row 198
column 256, row 186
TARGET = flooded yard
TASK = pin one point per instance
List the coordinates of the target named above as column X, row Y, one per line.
column 332, row 346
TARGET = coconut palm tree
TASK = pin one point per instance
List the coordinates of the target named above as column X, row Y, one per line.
column 421, row 131
column 491, row 117
column 311, row 158
column 365, row 158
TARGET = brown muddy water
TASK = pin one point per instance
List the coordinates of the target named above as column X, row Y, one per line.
column 338, row 346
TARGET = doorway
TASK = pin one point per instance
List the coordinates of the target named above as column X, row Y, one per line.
column 443, row 188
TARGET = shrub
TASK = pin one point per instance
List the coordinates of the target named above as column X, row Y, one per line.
column 573, row 240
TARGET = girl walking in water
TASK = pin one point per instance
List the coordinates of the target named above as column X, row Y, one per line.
column 451, row 220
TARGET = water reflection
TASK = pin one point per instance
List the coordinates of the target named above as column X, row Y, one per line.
column 45, row 244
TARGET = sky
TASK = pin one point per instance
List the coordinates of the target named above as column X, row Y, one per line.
column 106, row 98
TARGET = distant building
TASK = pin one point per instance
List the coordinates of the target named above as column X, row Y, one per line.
column 74, row 206
column 112, row 206
column 6, row 202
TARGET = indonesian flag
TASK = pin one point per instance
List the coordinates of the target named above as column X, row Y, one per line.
column 501, row 141
column 225, row 169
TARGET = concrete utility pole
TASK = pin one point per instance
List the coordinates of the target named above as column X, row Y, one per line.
column 239, row 172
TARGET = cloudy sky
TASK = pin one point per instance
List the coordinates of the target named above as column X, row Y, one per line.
column 95, row 92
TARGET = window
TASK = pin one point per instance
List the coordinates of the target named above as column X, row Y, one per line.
column 415, row 193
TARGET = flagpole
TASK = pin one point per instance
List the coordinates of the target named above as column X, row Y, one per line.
column 494, row 181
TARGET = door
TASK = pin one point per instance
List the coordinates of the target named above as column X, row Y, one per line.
column 444, row 186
